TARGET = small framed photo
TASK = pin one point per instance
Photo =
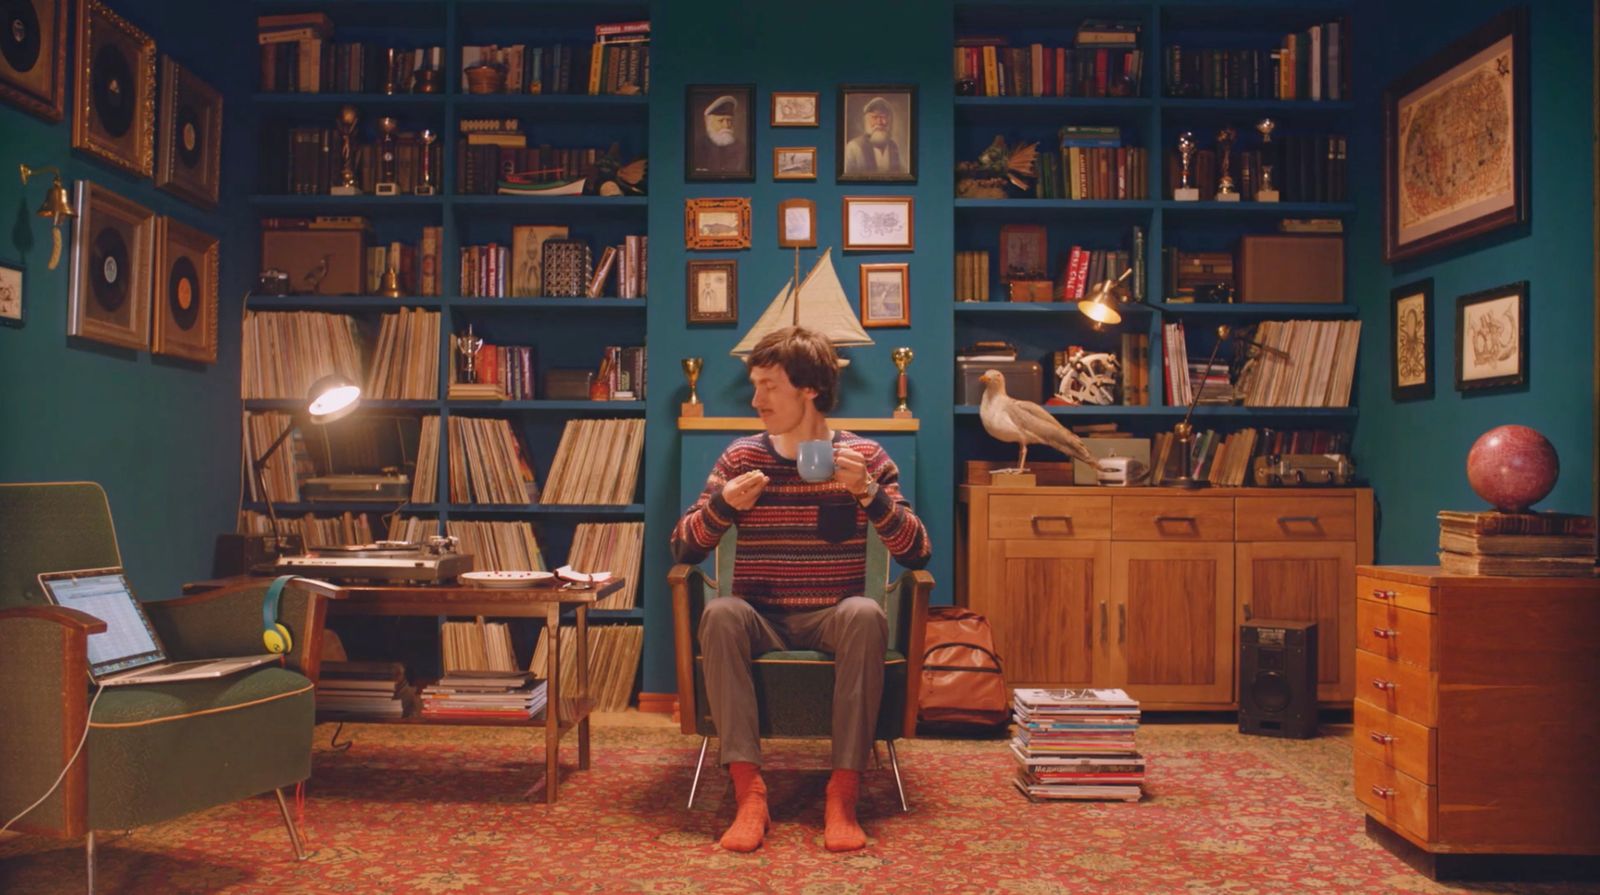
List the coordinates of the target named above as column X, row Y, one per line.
column 1411, row 341
column 794, row 163
column 713, row 291
column 113, row 245
column 191, row 136
column 114, row 93
column 878, row 223
column 877, row 133
column 1492, row 337
column 12, row 312
column 185, row 306
column 797, row 224
column 1024, row 253
column 790, row 109
column 33, row 56
column 719, row 131
column 716, row 223
column 886, row 294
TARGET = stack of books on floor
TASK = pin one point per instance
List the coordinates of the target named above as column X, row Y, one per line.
column 349, row 689
column 1077, row 745
column 1516, row 544
column 509, row 695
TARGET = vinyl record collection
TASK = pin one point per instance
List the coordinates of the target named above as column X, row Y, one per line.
column 1077, row 745
column 614, row 652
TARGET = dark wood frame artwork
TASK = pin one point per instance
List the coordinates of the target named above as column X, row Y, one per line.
column 898, row 267
column 1425, row 388
column 202, row 184
column 1039, row 232
column 1511, row 24
column 166, row 335
column 693, row 269
column 1518, row 289
column 15, row 264
column 842, row 130
column 52, row 62
column 135, row 153
column 745, row 95
column 810, row 240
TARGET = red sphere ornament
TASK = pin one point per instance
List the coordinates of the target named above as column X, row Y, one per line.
column 1512, row 467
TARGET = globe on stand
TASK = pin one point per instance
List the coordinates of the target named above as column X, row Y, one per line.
column 1512, row 467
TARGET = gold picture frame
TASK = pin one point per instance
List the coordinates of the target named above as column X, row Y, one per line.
column 797, row 224
column 112, row 245
column 716, row 223
column 33, row 70
column 191, row 136
column 795, row 108
column 184, row 309
column 886, row 294
column 794, row 163
column 114, row 91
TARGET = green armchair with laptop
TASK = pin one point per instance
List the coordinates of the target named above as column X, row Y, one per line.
column 154, row 751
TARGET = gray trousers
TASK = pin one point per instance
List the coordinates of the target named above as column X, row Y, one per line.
column 855, row 630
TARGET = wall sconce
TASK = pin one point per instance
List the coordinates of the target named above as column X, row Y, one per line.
column 57, row 207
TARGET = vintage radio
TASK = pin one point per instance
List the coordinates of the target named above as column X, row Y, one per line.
column 1303, row 469
column 1024, row 379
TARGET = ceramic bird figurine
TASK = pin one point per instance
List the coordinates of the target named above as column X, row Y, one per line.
column 1024, row 422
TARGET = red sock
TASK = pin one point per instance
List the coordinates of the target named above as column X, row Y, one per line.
column 841, row 831
column 750, row 824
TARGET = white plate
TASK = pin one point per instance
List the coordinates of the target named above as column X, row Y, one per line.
column 505, row 579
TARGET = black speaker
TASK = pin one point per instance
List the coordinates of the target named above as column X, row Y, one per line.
column 1278, row 678
column 242, row 554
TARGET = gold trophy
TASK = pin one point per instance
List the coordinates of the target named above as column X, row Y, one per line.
column 1225, row 188
column 902, row 359
column 388, row 178
column 1184, row 192
column 468, row 344
column 691, row 369
column 347, row 170
column 1267, row 192
column 425, row 185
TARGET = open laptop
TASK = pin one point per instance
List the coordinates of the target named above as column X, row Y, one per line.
column 128, row 650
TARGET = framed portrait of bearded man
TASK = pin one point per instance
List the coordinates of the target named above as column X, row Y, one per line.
column 719, row 132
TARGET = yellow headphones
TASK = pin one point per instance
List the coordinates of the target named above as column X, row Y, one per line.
column 274, row 634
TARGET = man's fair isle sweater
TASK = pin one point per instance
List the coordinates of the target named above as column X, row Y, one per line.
column 803, row 544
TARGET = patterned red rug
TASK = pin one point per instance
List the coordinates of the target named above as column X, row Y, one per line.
column 441, row 810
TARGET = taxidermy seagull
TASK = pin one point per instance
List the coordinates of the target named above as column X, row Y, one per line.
column 1024, row 422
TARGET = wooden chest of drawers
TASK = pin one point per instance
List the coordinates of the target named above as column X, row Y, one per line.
column 1477, row 714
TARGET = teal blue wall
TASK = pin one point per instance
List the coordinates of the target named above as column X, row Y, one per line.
column 1415, row 452
column 160, row 435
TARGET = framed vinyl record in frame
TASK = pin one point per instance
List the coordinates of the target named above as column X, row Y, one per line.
column 191, row 135
column 33, row 55
column 184, row 311
column 114, row 92
column 111, row 253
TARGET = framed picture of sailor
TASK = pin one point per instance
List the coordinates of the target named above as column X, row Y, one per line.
column 33, row 56
column 877, row 134
column 719, row 132
column 191, row 135
column 114, row 92
column 112, row 247
column 1492, row 337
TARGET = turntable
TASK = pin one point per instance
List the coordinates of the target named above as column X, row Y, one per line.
column 435, row 562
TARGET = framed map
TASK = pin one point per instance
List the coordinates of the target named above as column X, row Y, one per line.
column 1456, row 141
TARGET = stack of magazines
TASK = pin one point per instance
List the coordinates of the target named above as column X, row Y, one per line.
column 363, row 690
column 508, row 695
column 1077, row 744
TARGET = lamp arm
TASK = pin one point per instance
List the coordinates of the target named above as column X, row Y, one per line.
column 1195, row 398
column 257, row 466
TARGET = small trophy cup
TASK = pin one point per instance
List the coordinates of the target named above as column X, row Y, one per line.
column 468, row 388
column 388, row 181
column 691, row 369
column 1185, row 192
column 391, row 84
column 425, row 184
column 347, row 172
column 1268, row 192
column 1226, row 192
column 469, row 344
column 902, row 359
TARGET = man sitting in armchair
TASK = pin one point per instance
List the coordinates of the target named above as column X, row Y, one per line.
column 799, row 572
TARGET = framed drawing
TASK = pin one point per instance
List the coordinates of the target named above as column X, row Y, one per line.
column 1492, row 337
column 33, row 56
column 185, row 307
column 191, row 136
column 713, row 291
column 716, row 223
column 114, row 93
column 886, row 294
column 1455, row 141
column 794, row 163
column 12, row 312
column 877, row 133
column 112, row 248
column 1023, row 253
column 791, row 109
column 797, row 224
column 719, row 132
column 878, row 223
column 1411, row 341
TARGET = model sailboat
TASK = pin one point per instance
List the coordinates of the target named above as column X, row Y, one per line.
column 819, row 304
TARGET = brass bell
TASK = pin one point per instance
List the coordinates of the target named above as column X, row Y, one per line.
column 57, row 207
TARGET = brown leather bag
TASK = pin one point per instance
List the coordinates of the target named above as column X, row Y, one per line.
column 962, row 681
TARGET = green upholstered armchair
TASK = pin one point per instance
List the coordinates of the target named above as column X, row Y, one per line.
column 156, row 751
column 794, row 688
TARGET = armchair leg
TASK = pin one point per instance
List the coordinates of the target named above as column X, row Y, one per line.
column 894, row 762
column 288, row 821
column 88, row 852
column 699, row 764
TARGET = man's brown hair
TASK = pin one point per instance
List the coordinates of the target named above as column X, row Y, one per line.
column 807, row 358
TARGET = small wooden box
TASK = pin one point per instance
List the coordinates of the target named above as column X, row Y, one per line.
column 1031, row 290
column 1291, row 268
column 567, row 385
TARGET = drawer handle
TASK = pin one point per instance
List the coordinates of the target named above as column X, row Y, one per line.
column 1189, row 519
column 1382, row 739
column 1385, row 633
column 1383, row 594
column 1383, row 792
column 1122, row 622
column 1065, row 520
column 1309, row 520
column 1382, row 684
column 1105, row 623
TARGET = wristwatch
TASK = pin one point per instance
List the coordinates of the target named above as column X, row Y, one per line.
column 866, row 496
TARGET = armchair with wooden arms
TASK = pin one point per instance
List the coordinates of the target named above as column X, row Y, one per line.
column 154, row 751
column 794, row 688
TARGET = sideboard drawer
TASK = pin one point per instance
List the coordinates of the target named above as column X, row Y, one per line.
column 1298, row 517
column 1395, row 798
column 1171, row 518
column 1398, row 634
column 1395, row 593
column 1397, row 688
column 1014, row 516
column 1404, row 745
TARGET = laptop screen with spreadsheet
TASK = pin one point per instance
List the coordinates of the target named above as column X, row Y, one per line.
column 128, row 641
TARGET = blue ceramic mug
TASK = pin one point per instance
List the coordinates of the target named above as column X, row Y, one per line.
column 815, row 460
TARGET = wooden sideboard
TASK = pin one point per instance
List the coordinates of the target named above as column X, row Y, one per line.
column 1477, row 713
column 1144, row 588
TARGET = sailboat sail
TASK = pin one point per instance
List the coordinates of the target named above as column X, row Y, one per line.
column 824, row 309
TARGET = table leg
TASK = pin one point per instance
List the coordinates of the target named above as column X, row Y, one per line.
column 583, row 685
column 552, row 705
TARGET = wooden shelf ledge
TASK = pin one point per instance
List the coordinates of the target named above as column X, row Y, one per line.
column 753, row 424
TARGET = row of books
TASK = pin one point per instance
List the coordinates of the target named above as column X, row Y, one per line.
column 405, row 362
column 314, row 531
column 614, row 652
column 464, row 695
column 1516, row 544
column 972, row 275
column 1077, row 745
column 481, row 166
column 597, row 462
column 318, row 65
column 1040, row 70
column 1305, row 168
column 1310, row 65
column 507, row 367
column 1307, row 363
column 623, row 371
column 1215, row 458
column 1095, row 173
column 487, row 462
column 286, row 352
